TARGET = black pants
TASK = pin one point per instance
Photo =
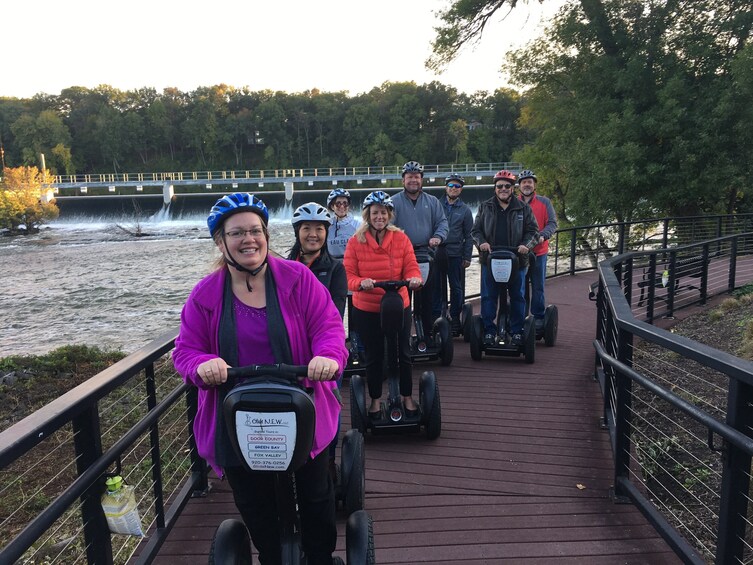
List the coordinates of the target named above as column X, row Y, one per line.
column 254, row 494
column 369, row 330
column 423, row 302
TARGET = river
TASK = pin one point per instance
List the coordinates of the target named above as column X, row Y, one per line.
column 87, row 281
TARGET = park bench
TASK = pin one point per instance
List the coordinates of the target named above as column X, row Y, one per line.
column 687, row 271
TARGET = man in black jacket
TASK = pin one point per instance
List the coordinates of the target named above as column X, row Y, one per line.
column 504, row 221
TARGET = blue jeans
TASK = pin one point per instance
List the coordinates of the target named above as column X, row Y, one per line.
column 455, row 276
column 490, row 300
column 538, row 277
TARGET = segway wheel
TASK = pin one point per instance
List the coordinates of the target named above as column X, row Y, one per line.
column 357, row 404
column 529, row 339
column 359, row 539
column 231, row 544
column 466, row 317
column 476, row 337
column 446, row 349
column 353, row 471
column 551, row 322
column 428, row 392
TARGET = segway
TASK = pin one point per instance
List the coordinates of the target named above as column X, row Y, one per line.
column 355, row 355
column 392, row 415
column 440, row 346
column 271, row 421
column 504, row 266
column 466, row 312
column 548, row 330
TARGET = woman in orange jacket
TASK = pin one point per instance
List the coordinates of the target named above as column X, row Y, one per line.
column 379, row 251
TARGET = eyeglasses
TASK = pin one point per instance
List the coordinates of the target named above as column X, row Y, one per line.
column 454, row 185
column 501, row 186
column 340, row 204
column 240, row 234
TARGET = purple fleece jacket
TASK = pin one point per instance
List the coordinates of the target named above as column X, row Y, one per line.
column 314, row 328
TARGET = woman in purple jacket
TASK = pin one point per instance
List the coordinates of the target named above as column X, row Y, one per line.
column 257, row 309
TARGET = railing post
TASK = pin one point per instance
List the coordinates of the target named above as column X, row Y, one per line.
column 665, row 234
column 88, row 445
column 556, row 251
column 623, row 409
column 651, row 288
column 151, row 402
column 671, row 284
column 733, row 503
column 732, row 264
column 627, row 281
column 572, row 253
column 704, row 273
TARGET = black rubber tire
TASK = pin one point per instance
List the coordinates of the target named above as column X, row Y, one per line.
column 231, row 544
column 466, row 317
column 357, row 404
column 476, row 337
column 551, row 324
column 428, row 392
column 359, row 539
column 353, row 475
column 443, row 332
column 529, row 340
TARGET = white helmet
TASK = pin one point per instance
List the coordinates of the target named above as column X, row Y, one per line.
column 311, row 212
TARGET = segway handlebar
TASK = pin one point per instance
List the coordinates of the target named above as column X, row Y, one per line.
column 270, row 370
column 390, row 285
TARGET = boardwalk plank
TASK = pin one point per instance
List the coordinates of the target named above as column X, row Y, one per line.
column 500, row 485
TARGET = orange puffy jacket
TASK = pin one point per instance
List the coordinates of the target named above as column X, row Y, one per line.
column 393, row 260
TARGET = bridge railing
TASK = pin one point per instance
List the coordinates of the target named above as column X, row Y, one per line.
column 370, row 172
column 133, row 419
column 679, row 413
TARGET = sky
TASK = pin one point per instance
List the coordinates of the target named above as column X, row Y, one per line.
column 287, row 45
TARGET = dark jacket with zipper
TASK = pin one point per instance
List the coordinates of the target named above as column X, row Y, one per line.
column 522, row 228
column 331, row 273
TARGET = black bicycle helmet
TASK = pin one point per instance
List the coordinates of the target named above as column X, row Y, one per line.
column 454, row 177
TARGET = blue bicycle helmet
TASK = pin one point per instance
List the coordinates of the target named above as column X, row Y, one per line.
column 335, row 194
column 454, row 177
column 413, row 167
column 232, row 203
column 378, row 197
column 527, row 174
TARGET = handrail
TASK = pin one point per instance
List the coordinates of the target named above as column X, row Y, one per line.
column 617, row 327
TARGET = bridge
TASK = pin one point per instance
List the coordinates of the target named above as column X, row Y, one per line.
column 562, row 461
column 332, row 176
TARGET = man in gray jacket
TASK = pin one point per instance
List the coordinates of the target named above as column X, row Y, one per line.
column 454, row 254
column 422, row 218
column 504, row 221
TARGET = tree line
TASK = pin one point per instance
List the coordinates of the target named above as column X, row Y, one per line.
column 104, row 129
column 626, row 109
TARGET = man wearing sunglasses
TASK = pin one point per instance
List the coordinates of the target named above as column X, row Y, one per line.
column 454, row 253
column 503, row 221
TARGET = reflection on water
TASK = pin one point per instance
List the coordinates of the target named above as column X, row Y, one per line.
column 89, row 282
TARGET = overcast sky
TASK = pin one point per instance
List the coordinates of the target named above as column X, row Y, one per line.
column 288, row 45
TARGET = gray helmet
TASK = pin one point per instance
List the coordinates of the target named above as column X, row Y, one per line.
column 310, row 212
column 413, row 167
column 454, row 177
column 527, row 174
column 336, row 193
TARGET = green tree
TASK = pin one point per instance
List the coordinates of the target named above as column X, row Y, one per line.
column 632, row 106
column 21, row 202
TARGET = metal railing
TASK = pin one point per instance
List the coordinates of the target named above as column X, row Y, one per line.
column 108, row 420
column 276, row 175
column 668, row 400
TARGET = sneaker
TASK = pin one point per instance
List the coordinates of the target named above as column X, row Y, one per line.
column 517, row 339
column 489, row 339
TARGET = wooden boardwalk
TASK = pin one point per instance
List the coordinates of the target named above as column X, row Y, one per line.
column 520, row 474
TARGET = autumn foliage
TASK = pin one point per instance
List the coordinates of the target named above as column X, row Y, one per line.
column 22, row 206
